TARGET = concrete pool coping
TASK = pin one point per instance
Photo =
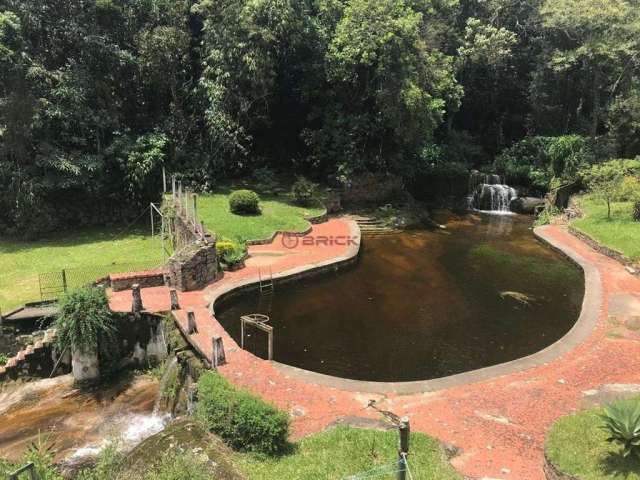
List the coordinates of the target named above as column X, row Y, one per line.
column 580, row 331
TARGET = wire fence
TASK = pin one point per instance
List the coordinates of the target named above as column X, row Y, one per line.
column 53, row 284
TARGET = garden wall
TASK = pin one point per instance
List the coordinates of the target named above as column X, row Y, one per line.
column 371, row 189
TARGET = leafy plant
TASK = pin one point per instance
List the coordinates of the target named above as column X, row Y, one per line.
column 265, row 179
column 231, row 252
column 546, row 216
column 3, row 359
column 243, row 420
column 606, row 181
column 303, row 191
column 622, row 422
column 244, row 202
column 85, row 321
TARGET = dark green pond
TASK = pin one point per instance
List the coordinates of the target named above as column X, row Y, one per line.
column 423, row 304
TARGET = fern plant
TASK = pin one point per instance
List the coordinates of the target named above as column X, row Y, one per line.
column 85, row 321
column 622, row 422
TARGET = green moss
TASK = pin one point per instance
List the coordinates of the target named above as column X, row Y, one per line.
column 485, row 256
column 577, row 444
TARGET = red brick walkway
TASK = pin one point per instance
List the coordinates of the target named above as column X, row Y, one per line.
column 499, row 424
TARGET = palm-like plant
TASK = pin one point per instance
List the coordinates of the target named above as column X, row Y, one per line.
column 622, row 422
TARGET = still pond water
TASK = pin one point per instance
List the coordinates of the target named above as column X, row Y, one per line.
column 423, row 304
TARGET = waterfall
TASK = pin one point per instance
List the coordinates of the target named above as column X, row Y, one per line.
column 488, row 193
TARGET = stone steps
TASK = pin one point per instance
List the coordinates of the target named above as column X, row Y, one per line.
column 373, row 226
column 17, row 360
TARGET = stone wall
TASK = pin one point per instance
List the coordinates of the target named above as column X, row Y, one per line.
column 194, row 267
column 371, row 189
column 124, row 281
column 36, row 361
column 142, row 339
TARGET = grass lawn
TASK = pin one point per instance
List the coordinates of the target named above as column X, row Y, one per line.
column 277, row 214
column 99, row 251
column 342, row 451
column 620, row 232
column 577, row 445
column 103, row 251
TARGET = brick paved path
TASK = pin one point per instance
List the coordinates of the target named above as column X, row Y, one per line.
column 500, row 424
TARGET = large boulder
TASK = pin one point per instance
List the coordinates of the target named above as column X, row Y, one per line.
column 526, row 205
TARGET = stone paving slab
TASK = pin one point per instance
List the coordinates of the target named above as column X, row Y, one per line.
column 499, row 424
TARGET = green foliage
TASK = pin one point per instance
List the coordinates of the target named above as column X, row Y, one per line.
column 567, row 154
column 346, row 452
column 622, row 423
column 244, row 202
column 243, row 420
column 231, row 252
column 577, row 445
column 304, row 191
column 606, row 181
column 265, row 179
column 3, row 359
column 85, row 321
column 546, row 216
column 618, row 231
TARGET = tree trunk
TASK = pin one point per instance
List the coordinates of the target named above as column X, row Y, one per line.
column 595, row 120
column 636, row 211
column 608, row 209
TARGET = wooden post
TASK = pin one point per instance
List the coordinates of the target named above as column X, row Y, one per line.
column 151, row 212
column 64, row 280
column 218, row 357
column 164, row 180
column 404, row 431
column 173, row 186
column 173, row 296
column 194, row 198
column 270, row 340
column 191, row 322
column 136, row 297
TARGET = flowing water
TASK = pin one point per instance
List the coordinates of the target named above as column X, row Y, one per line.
column 423, row 304
column 488, row 193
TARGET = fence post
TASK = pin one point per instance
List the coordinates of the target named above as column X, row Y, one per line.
column 151, row 212
column 173, row 187
column 191, row 322
column 64, row 280
column 173, row 296
column 136, row 298
column 194, row 198
column 164, row 180
column 404, row 431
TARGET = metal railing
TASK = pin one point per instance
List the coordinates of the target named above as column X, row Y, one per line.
column 54, row 284
column 29, row 468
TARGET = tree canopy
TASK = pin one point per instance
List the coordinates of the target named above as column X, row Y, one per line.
column 97, row 96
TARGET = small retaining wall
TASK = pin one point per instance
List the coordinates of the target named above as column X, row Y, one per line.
column 194, row 268
column 125, row 281
column 371, row 189
column 142, row 339
column 35, row 361
column 609, row 252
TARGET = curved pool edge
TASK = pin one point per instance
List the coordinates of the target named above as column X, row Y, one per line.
column 219, row 292
column 580, row 331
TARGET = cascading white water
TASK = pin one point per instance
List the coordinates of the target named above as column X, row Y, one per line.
column 488, row 193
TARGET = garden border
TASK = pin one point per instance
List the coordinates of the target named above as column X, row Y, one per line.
column 581, row 330
column 321, row 218
column 604, row 250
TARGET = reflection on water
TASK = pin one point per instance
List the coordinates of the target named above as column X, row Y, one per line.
column 424, row 304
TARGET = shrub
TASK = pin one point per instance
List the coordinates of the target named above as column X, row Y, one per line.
column 546, row 216
column 85, row 321
column 608, row 181
column 303, row 191
column 265, row 179
column 622, row 422
column 244, row 202
column 243, row 420
column 3, row 359
column 230, row 252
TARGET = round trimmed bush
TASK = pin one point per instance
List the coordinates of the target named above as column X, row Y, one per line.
column 244, row 202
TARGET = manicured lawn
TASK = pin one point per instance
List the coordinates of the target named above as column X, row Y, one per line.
column 577, row 445
column 277, row 214
column 341, row 452
column 620, row 232
column 97, row 251
column 103, row 251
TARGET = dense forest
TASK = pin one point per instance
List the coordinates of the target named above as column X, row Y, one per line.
column 97, row 95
